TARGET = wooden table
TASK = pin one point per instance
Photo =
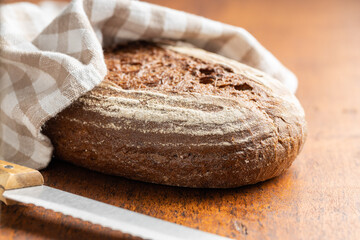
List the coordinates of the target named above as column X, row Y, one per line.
column 318, row 198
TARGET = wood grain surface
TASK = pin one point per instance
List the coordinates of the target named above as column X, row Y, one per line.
column 318, row 198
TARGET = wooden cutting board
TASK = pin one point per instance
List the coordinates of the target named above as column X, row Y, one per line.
column 318, row 198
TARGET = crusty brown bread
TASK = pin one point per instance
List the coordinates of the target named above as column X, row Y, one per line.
column 178, row 115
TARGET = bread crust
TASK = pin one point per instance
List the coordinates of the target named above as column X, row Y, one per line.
column 184, row 139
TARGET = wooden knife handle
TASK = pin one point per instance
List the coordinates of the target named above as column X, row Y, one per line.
column 14, row 176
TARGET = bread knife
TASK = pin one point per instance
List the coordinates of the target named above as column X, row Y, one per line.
column 26, row 185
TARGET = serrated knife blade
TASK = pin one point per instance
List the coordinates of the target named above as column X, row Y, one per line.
column 86, row 209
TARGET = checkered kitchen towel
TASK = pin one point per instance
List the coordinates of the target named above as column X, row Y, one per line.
column 51, row 54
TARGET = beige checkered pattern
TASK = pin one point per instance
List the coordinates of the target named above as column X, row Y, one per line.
column 46, row 62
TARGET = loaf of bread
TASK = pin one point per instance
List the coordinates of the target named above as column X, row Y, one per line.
column 178, row 115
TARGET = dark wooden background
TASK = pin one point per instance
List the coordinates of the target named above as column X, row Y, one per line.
column 318, row 198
